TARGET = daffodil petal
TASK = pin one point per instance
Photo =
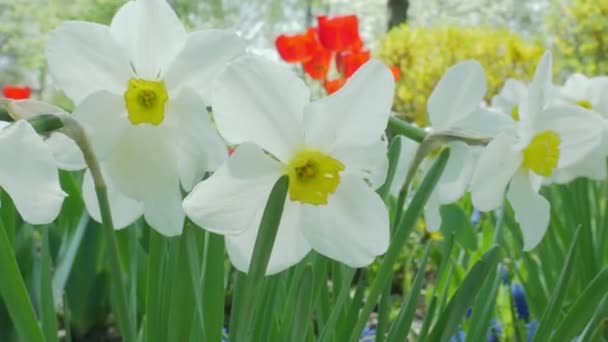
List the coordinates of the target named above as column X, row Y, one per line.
column 166, row 214
column 484, row 123
column 356, row 114
column 432, row 215
column 199, row 147
column 104, row 118
column 66, row 153
column 28, row 173
column 531, row 209
column 202, row 59
column 580, row 131
column 511, row 94
column 352, row 228
column 458, row 93
column 369, row 162
column 234, row 197
column 457, row 173
column 84, row 58
column 538, row 91
column 124, row 209
column 142, row 164
column 151, row 34
column 497, row 163
column 406, row 156
column 269, row 108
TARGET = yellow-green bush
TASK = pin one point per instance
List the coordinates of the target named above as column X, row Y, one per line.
column 424, row 54
column 579, row 32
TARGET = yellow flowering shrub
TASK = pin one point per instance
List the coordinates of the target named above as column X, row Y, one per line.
column 424, row 54
column 580, row 36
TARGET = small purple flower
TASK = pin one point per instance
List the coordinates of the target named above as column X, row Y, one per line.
column 495, row 331
column 368, row 334
column 519, row 301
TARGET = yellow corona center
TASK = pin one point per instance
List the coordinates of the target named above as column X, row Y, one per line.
column 585, row 104
column 515, row 113
column 146, row 101
column 313, row 176
column 437, row 236
column 542, row 153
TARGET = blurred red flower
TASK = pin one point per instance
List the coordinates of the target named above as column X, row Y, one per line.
column 339, row 33
column 396, row 72
column 332, row 86
column 298, row 47
column 16, row 93
column 353, row 60
column 318, row 66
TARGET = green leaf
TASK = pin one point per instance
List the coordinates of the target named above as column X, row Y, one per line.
column 302, row 318
column 261, row 256
column 155, row 324
column 404, row 228
column 584, row 307
column 455, row 221
column 14, row 293
column 213, row 286
column 404, row 320
column 550, row 315
column 393, row 159
column 47, row 304
column 462, row 300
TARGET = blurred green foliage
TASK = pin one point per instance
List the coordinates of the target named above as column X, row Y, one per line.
column 579, row 30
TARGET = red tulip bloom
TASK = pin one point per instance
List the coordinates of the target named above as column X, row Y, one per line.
column 332, row 86
column 396, row 72
column 297, row 47
column 339, row 33
column 318, row 66
column 352, row 61
column 16, row 93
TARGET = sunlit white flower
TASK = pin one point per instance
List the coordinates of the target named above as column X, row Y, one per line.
column 330, row 149
column 546, row 137
column 455, row 107
column 28, row 173
column 508, row 99
column 138, row 85
column 589, row 93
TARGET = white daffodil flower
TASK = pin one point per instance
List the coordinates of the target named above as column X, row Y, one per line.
column 587, row 93
column 139, row 86
column 546, row 137
column 455, row 107
column 330, row 149
column 28, row 173
column 509, row 97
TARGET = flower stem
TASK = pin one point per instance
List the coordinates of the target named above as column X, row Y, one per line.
column 404, row 128
column 126, row 321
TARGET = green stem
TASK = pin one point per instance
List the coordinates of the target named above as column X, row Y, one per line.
column 126, row 321
column 404, row 128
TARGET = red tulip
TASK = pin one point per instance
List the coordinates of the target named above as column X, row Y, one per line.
column 318, row 66
column 332, row 86
column 339, row 33
column 16, row 93
column 396, row 72
column 352, row 61
column 297, row 47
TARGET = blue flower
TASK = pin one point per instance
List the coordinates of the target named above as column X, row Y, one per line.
column 495, row 331
column 531, row 329
column 459, row 337
column 504, row 274
column 475, row 217
column 368, row 334
column 519, row 301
